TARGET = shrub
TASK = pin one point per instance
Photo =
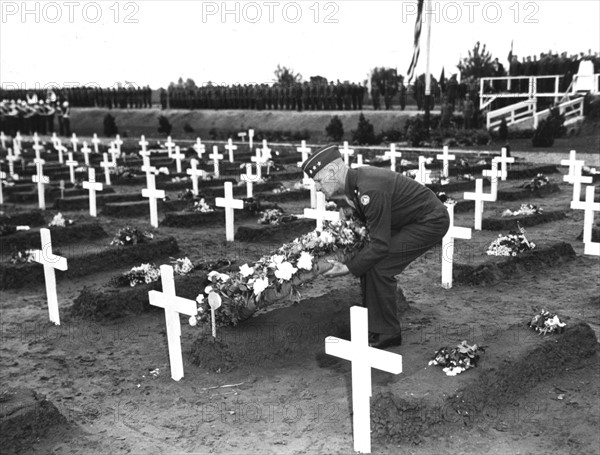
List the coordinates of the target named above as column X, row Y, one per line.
column 335, row 129
column 544, row 135
column 164, row 126
column 503, row 130
column 415, row 131
column 365, row 133
column 213, row 134
column 591, row 107
column 110, row 126
column 557, row 122
column 391, row 135
column 187, row 128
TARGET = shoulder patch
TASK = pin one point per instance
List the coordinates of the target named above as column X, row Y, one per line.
column 364, row 200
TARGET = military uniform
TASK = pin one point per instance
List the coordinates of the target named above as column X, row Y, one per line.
column 405, row 219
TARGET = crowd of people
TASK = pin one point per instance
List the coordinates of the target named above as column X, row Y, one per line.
column 32, row 114
column 300, row 96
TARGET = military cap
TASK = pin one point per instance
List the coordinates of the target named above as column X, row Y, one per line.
column 320, row 159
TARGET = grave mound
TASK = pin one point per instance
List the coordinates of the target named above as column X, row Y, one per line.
column 291, row 230
column 497, row 269
column 32, row 218
column 510, row 222
column 60, row 236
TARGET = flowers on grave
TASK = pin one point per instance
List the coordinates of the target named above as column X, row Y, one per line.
column 59, row 221
column 202, row 206
column 458, row 359
column 81, row 169
column 524, row 210
column 186, row 195
column 22, row 256
column 467, row 177
column 182, row 266
column 163, row 170
column 512, row 244
column 536, row 183
column 445, row 198
column 281, row 188
column 180, row 179
column 545, row 322
column 589, row 171
column 142, row 274
column 277, row 276
column 251, row 204
column 130, row 236
column 275, row 217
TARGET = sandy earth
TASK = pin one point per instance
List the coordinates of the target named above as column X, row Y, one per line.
column 269, row 390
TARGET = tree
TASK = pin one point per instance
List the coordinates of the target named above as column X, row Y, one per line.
column 365, row 133
column 478, row 64
column 285, row 75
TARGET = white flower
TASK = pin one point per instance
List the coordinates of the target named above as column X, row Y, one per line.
column 305, row 261
column 246, row 271
column 285, row 271
column 208, row 289
column 193, row 321
column 260, row 285
column 326, row 238
column 213, row 274
column 200, row 298
column 224, row 277
column 277, row 259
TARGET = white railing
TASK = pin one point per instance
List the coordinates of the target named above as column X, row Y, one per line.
column 515, row 113
column 502, row 87
column 572, row 110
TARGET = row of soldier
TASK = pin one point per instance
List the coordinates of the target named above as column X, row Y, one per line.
column 294, row 96
column 35, row 115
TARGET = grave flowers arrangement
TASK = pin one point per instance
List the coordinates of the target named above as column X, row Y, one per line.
column 149, row 273
column 277, row 276
column 202, row 206
column 524, row 210
column 21, row 256
column 274, row 217
column 458, row 359
column 545, row 322
column 130, row 236
column 59, row 221
column 510, row 245
column 536, row 183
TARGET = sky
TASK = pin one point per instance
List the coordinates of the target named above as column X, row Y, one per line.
column 152, row 43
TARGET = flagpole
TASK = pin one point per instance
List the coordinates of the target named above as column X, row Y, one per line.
column 427, row 70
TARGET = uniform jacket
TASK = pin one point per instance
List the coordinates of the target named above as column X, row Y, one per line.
column 386, row 201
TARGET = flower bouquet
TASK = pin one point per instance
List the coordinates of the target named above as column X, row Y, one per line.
column 22, row 256
column 546, row 322
column 458, row 359
column 536, row 183
column 510, row 245
column 275, row 217
column 524, row 210
column 59, row 221
column 280, row 275
column 130, row 236
column 149, row 273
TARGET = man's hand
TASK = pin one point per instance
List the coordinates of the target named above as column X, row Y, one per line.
column 338, row 269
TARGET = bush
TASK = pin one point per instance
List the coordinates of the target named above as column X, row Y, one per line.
column 544, row 134
column 557, row 122
column 110, row 126
column 503, row 130
column 415, row 131
column 365, row 133
column 187, row 128
column 392, row 135
column 335, row 129
column 213, row 134
column 164, row 126
column 591, row 107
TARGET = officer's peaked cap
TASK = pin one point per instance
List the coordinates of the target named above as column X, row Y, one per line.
column 320, row 159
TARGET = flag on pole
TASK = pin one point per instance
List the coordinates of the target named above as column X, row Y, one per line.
column 417, row 45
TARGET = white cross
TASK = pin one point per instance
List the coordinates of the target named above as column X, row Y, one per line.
column 61, row 149
column 153, row 194
column 106, row 164
column 392, row 154
column 347, row 153
column 266, row 151
column 174, row 306
column 320, row 213
column 74, row 142
column 249, row 178
column 36, row 138
column 55, row 140
column 494, row 174
column 242, row 135
column 479, row 197
column 11, row 163
column 230, row 148
column 199, row 147
column 61, row 185
column 445, row 157
column 92, row 186
column 114, row 152
column 2, row 178
column 230, row 204
column 17, row 147
column 250, row 138
column 178, row 156
column 170, row 144
column 571, row 162
column 504, row 160
column 359, row 162
column 258, row 158
column 363, row 358
column 50, row 262
column 72, row 164
column 143, row 143
column 86, row 153
column 216, row 156
column 18, row 140
column 305, row 151
column 423, row 174
column 96, row 141
column 313, row 194
column 41, row 180
column 147, row 168
column 194, row 174
column 38, row 149
column 589, row 207
column 3, row 139
column 448, row 247
column 118, row 142
column 577, row 179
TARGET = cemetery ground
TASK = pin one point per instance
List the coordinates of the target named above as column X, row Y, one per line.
column 268, row 387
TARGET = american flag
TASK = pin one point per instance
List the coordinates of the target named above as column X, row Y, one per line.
column 417, row 45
